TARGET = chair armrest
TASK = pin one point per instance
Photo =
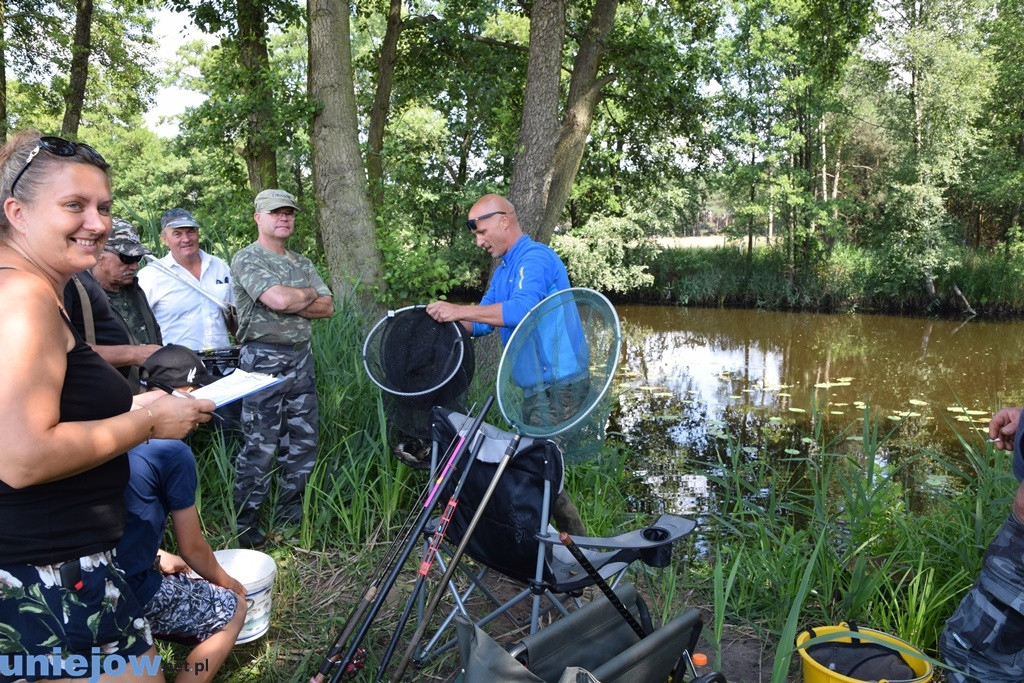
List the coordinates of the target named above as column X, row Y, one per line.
column 665, row 529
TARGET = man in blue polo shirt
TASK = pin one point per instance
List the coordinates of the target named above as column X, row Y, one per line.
column 529, row 272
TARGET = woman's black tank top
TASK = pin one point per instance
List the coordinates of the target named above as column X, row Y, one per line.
column 84, row 513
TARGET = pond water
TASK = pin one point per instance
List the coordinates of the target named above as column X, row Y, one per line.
column 696, row 382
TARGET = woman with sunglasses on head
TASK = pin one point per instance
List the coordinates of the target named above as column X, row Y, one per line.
column 68, row 417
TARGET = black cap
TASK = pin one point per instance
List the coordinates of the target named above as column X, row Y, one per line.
column 175, row 366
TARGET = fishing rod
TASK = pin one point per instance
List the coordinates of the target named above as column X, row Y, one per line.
column 384, row 568
column 373, row 598
column 371, row 591
column 433, row 547
column 453, row 563
column 595, row 575
column 223, row 305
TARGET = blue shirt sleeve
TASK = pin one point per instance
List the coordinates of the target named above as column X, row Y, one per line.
column 532, row 279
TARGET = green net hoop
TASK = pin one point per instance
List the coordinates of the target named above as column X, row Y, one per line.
column 557, row 368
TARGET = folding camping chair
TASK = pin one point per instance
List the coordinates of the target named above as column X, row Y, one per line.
column 594, row 638
column 515, row 539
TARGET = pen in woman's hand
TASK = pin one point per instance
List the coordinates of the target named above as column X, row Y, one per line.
column 152, row 383
column 174, row 392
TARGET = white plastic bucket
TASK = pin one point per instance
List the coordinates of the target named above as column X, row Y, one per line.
column 255, row 571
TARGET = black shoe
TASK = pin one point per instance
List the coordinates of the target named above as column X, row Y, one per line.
column 251, row 537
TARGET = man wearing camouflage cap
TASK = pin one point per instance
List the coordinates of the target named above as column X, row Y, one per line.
column 278, row 293
column 115, row 271
column 188, row 289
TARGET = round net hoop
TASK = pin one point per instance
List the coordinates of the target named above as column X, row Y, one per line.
column 411, row 356
column 558, row 366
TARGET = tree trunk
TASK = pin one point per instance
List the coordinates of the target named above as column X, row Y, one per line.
column 964, row 303
column 339, row 179
column 382, row 104
column 539, row 130
column 257, row 151
column 584, row 94
column 81, row 48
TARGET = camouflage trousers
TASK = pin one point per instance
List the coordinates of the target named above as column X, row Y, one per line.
column 984, row 638
column 281, row 427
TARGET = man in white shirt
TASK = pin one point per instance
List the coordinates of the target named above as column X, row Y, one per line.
column 187, row 316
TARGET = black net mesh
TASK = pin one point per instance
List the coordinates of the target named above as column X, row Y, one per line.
column 557, row 368
column 418, row 363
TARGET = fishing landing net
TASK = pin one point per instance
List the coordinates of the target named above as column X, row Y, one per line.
column 557, row 368
column 418, row 363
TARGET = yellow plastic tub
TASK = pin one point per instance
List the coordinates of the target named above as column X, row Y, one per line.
column 815, row 672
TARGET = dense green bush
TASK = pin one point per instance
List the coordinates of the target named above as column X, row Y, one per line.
column 849, row 278
column 608, row 254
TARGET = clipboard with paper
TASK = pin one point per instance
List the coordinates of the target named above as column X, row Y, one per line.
column 235, row 386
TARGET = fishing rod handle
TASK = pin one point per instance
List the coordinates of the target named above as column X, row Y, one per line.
column 435, row 542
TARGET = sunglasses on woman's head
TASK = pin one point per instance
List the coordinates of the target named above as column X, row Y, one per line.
column 58, row 147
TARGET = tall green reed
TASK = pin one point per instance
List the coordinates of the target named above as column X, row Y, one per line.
column 831, row 535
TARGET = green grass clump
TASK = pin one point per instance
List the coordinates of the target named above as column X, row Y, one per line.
column 831, row 537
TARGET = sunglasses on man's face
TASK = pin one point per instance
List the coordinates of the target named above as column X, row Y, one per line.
column 129, row 260
column 472, row 222
column 58, row 147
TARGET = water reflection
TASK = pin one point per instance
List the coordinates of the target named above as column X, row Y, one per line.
column 690, row 376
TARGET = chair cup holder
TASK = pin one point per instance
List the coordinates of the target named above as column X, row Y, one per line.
column 658, row 556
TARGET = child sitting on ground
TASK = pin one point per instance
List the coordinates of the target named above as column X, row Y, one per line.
column 208, row 612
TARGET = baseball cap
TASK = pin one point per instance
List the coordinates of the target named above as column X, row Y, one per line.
column 268, row 200
column 175, row 366
column 177, row 218
column 124, row 239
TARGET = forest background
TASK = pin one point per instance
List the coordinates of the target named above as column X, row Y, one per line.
column 877, row 147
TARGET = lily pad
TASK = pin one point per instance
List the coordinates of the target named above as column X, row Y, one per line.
column 917, row 402
column 792, row 451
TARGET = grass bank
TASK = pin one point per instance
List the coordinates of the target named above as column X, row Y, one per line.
column 848, row 279
column 779, row 549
